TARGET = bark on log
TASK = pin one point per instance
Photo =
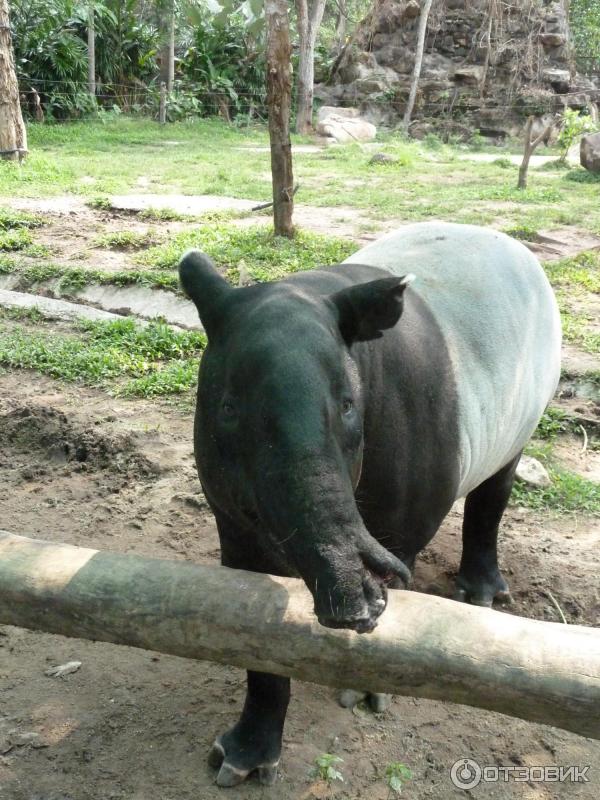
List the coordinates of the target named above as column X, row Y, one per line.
column 308, row 20
column 279, row 97
column 13, row 137
column 424, row 646
column 414, row 83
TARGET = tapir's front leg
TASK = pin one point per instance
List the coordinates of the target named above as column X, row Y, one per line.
column 254, row 743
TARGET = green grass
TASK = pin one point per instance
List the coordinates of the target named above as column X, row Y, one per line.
column 9, row 218
column 526, row 233
column 162, row 215
column 155, row 359
column 126, row 240
column 581, row 270
column 213, row 158
column 554, row 422
column 567, row 494
column 14, row 239
column 72, row 279
column 265, row 256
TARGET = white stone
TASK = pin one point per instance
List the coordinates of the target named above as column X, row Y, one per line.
column 532, row 472
column 327, row 111
column 343, row 129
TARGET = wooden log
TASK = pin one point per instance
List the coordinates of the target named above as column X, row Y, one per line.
column 424, row 646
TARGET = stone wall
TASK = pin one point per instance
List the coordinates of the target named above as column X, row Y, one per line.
column 487, row 65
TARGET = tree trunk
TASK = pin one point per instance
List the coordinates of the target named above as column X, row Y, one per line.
column 424, row 646
column 340, row 28
column 167, row 51
column 279, row 96
column 418, row 63
column 309, row 21
column 529, row 148
column 91, row 43
column 13, row 136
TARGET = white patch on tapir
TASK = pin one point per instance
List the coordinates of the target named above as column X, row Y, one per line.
column 500, row 322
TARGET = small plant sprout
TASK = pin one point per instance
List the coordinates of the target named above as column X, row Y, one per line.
column 395, row 774
column 325, row 768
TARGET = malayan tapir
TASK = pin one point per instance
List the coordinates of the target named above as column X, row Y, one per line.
column 342, row 411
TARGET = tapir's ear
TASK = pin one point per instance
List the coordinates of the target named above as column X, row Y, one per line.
column 203, row 284
column 365, row 310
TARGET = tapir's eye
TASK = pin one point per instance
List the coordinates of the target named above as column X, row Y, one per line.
column 347, row 406
column 228, row 409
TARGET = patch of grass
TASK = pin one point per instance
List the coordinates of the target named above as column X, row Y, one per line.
column 554, row 422
column 8, row 264
column 553, row 166
column 100, row 203
column 72, row 279
column 126, row 240
column 9, row 218
column 32, row 314
column 174, row 378
column 265, row 256
column 162, row 215
column 567, row 494
column 580, row 270
column 582, row 176
column 13, row 239
column 503, row 163
column 159, row 360
column 526, row 233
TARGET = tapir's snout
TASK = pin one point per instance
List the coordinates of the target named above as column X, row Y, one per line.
column 358, row 596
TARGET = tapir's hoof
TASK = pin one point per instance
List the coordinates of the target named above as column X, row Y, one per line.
column 377, row 701
column 229, row 775
column 484, row 594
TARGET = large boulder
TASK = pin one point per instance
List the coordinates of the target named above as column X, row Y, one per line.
column 342, row 128
column 589, row 152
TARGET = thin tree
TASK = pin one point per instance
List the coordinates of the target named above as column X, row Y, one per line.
column 530, row 146
column 166, row 9
column 423, row 19
column 91, row 45
column 309, row 17
column 13, row 136
column 279, row 98
column 342, row 19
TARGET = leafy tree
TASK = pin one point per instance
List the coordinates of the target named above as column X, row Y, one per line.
column 573, row 125
column 585, row 29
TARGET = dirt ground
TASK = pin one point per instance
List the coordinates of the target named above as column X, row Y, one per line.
column 81, row 467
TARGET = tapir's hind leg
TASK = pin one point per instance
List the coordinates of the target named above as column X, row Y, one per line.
column 479, row 580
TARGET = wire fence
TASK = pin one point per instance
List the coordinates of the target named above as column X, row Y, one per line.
column 63, row 100
column 67, row 99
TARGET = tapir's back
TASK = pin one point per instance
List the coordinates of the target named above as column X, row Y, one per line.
column 501, row 325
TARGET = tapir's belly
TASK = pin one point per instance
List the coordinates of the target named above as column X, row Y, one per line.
column 500, row 323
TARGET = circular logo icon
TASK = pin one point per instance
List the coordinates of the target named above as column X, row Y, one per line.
column 465, row 773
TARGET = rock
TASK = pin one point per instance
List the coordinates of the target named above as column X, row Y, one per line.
column 17, row 739
column 381, row 59
column 589, row 153
column 63, row 669
column 552, row 39
column 559, row 79
column 530, row 471
column 327, row 111
column 472, row 75
column 343, row 129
